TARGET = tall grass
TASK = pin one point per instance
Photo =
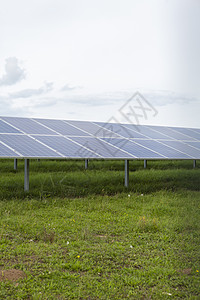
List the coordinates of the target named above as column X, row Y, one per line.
column 70, row 179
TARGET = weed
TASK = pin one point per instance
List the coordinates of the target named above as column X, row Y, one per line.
column 146, row 224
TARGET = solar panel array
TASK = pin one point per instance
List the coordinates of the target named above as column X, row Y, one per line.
column 43, row 138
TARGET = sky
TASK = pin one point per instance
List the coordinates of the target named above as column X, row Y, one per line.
column 101, row 60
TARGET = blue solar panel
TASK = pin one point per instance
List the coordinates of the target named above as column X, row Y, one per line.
column 80, row 139
column 5, row 128
column 146, row 131
column 27, row 125
column 6, row 152
column 67, row 147
column 135, row 149
column 194, row 153
column 62, row 127
column 171, row 134
column 101, row 147
column 27, row 146
column 163, row 149
column 92, row 128
column 194, row 144
column 196, row 130
column 188, row 132
column 120, row 130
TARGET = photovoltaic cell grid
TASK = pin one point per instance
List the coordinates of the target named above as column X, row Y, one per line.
column 45, row 138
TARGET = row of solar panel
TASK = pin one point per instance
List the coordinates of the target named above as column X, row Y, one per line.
column 97, row 129
column 21, row 145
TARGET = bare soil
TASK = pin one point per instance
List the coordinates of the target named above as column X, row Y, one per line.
column 11, row 275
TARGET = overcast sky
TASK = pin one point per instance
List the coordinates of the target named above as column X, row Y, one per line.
column 84, row 59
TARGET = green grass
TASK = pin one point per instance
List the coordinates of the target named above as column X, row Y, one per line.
column 82, row 235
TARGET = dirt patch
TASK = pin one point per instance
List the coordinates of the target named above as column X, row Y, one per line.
column 12, row 275
column 186, row 271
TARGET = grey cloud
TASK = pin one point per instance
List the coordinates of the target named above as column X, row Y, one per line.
column 161, row 98
column 90, row 100
column 13, row 72
column 44, row 102
column 33, row 92
column 66, row 87
column 158, row 98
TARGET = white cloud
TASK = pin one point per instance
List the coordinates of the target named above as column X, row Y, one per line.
column 67, row 88
column 13, row 72
column 27, row 93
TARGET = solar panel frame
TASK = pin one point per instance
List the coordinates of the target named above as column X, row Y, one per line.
column 101, row 132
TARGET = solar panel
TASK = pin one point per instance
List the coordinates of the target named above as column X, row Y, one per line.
column 7, row 152
column 44, row 138
column 26, row 138
column 146, row 131
column 27, row 147
column 171, row 133
column 5, row 128
column 92, row 128
column 196, row 130
column 102, row 148
column 67, row 147
column 187, row 131
column 135, row 149
column 26, row 125
column 187, row 149
column 61, row 127
column 120, row 130
column 163, row 149
column 194, row 144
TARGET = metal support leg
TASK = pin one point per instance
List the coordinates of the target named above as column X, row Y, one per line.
column 145, row 163
column 26, row 175
column 15, row 164
column 126, row 173
column 86, row 164
column 194, row 163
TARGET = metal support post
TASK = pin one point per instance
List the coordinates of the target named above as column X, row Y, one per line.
column 15, row 164
column 194, row 163
column 126, row 173
column 86, row 164
column 26, row 175
column 145, row 163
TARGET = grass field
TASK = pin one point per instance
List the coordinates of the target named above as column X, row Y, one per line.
column 80, row 234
